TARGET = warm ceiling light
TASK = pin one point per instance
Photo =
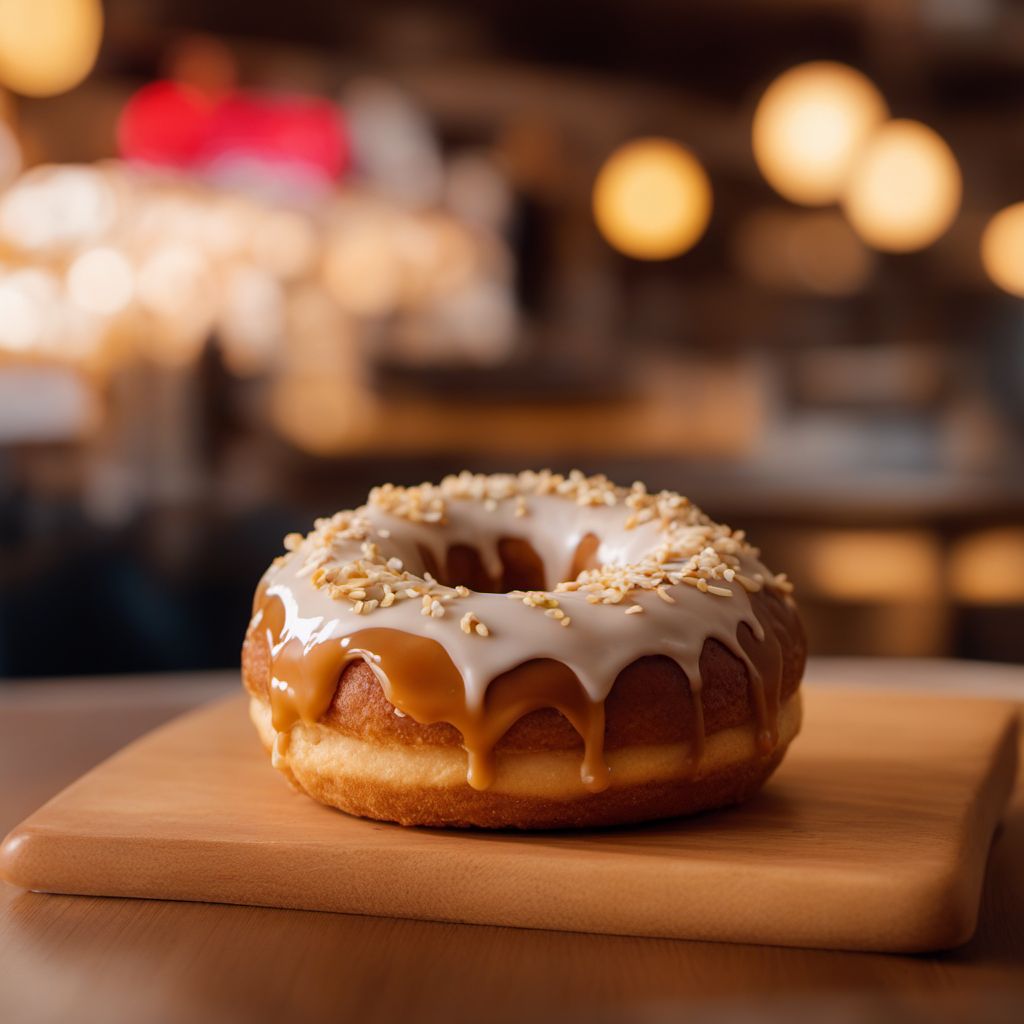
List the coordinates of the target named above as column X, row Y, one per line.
column 1002, row 249
column 809, row 127
column 652, row 199
column 48, row 46
column 904, row 190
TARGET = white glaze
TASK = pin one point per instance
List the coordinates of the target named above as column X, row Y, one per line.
column 601, row 640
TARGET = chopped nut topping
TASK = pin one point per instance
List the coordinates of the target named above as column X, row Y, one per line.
column 469, row 623
column 688, row 548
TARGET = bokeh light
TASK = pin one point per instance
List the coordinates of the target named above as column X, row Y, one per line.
column 809, row 127
column 173, row 278
column 20, row 321
column 904, row 190
column 48, row 46
column 652, row 199
column 31, row 312
column 361, row 268
column 53, row 207
column 285, row 243
column 250, row 324
column 101, row 281
column 1002, row 249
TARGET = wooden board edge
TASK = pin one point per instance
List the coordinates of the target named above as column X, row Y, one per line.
column 957, row 894
column 32, row 857
column 19, row 848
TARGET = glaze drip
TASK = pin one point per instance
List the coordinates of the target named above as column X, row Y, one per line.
column 594, row 576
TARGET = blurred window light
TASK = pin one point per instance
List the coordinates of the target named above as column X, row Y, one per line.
column 1002, row 249
column 101, row 281
column 987, row 567
column 652, row 199
column 905, row 188
column 809, row 127
column 884, row 566
column 48, row 46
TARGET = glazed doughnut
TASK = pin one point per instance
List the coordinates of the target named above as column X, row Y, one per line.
column 527, row 651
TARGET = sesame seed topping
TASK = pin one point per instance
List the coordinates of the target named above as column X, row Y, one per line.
column 634, row 609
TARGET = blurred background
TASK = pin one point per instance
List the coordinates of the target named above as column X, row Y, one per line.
column 257, row 257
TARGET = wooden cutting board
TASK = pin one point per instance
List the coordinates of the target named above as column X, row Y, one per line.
column 873, row 835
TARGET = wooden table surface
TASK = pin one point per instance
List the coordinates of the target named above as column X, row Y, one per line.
column 90, row 959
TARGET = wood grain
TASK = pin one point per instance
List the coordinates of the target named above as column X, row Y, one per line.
column 873, row 836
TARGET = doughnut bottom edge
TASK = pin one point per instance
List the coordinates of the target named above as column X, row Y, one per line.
column 426, row 785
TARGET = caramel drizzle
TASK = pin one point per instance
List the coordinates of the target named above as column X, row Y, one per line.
column 420, row 679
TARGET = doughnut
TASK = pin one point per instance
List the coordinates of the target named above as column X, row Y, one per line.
column 528, row 651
